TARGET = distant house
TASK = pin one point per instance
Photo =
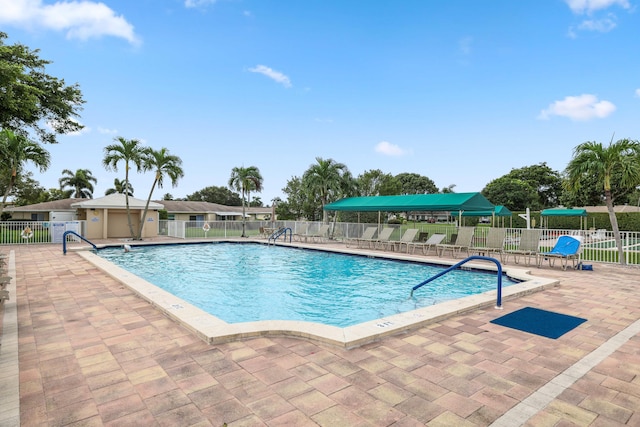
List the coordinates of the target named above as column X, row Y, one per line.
column 181, row 210
column 106, row 217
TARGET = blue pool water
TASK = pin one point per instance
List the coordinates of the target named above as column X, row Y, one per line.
column 250, row 282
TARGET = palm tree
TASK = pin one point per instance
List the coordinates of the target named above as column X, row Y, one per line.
column 620, row 159
column 80, row 182
column 119, row 187
column 244, row 180
column 129, row 151
column 15, row 150
column 163, row 164
column 327, row 179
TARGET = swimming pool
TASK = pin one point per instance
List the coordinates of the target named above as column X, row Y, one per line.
column 253, row 282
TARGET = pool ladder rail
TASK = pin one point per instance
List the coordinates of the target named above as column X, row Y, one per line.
column 64, row 241
column 280, row 232
column 471, row 258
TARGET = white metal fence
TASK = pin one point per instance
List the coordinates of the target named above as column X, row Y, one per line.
column 597, row 245
column 38, row 232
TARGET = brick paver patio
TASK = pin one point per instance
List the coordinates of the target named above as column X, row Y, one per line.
column 92, row 353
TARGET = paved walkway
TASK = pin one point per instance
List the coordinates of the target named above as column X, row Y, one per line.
column 91, row 353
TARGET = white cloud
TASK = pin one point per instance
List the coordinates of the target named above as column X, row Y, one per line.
column 638, row 93
column 272, row 74
column 198, row 3
column 589, row 6
column 106, row 131
column 80, row 19
column 389, row 149
column 581, row 108
column 600, row 25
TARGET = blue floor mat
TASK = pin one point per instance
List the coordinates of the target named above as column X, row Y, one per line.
column 540, row 322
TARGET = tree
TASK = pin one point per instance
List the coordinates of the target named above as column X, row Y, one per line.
column 515, row 194
column 448, row 189
column 296, row 205
column 244, row 180
column 327, row 179
column 214, row 194
column 163, row 164
column 620, row 160
column 544, row 180
column 30, row 98
column 80, row 182
column 377, row 183
column 129, row 151
column 120, row 187
column 256, row 202
column 15, row 151
column 413, row 183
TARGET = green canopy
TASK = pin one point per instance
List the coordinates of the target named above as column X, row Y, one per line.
column 414, row 203
column 564, row 212
column 497, row 211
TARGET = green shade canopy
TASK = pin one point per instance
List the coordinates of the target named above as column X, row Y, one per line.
column 497, row 211
column 564, row 212
column 414, row 202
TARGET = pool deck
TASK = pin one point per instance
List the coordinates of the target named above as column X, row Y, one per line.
column 80, row 348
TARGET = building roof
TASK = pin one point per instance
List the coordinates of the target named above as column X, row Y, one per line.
column 55, row 205
column 617, row 209
column 115, row 201
column 414, row 202
column 186, row 206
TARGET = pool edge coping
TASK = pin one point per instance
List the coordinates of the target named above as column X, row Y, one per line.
column 215, row 331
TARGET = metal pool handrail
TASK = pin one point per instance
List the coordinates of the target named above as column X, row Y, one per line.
column 453, row 267
column 64, row 241
column 279, row 233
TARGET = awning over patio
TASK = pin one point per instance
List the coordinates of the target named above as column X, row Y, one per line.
column 564, row 212
column 414, row 203
column 497, row 211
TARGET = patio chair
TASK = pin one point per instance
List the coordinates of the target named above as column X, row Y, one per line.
column 494, row 244
column 321, row 234
column 301, row 233
column 408, row 237
column 428, row 244
column 527, row 246
column 463, row 243
column 383, row 238
column 566, row 248
column 367, row 237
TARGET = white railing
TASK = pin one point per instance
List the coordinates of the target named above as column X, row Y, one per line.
column 597, row 245
column 37, row 232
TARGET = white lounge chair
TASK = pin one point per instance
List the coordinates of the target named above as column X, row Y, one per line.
column 383, row 238
column 494, row 244
column 428, row 244
column 321, row 234
column 463, row 243
column 527, row 246
column 367, row 237
column 408, row 237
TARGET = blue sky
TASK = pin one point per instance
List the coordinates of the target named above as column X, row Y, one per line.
column 459, row 91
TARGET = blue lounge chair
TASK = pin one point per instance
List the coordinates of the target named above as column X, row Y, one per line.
column 566, row 248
